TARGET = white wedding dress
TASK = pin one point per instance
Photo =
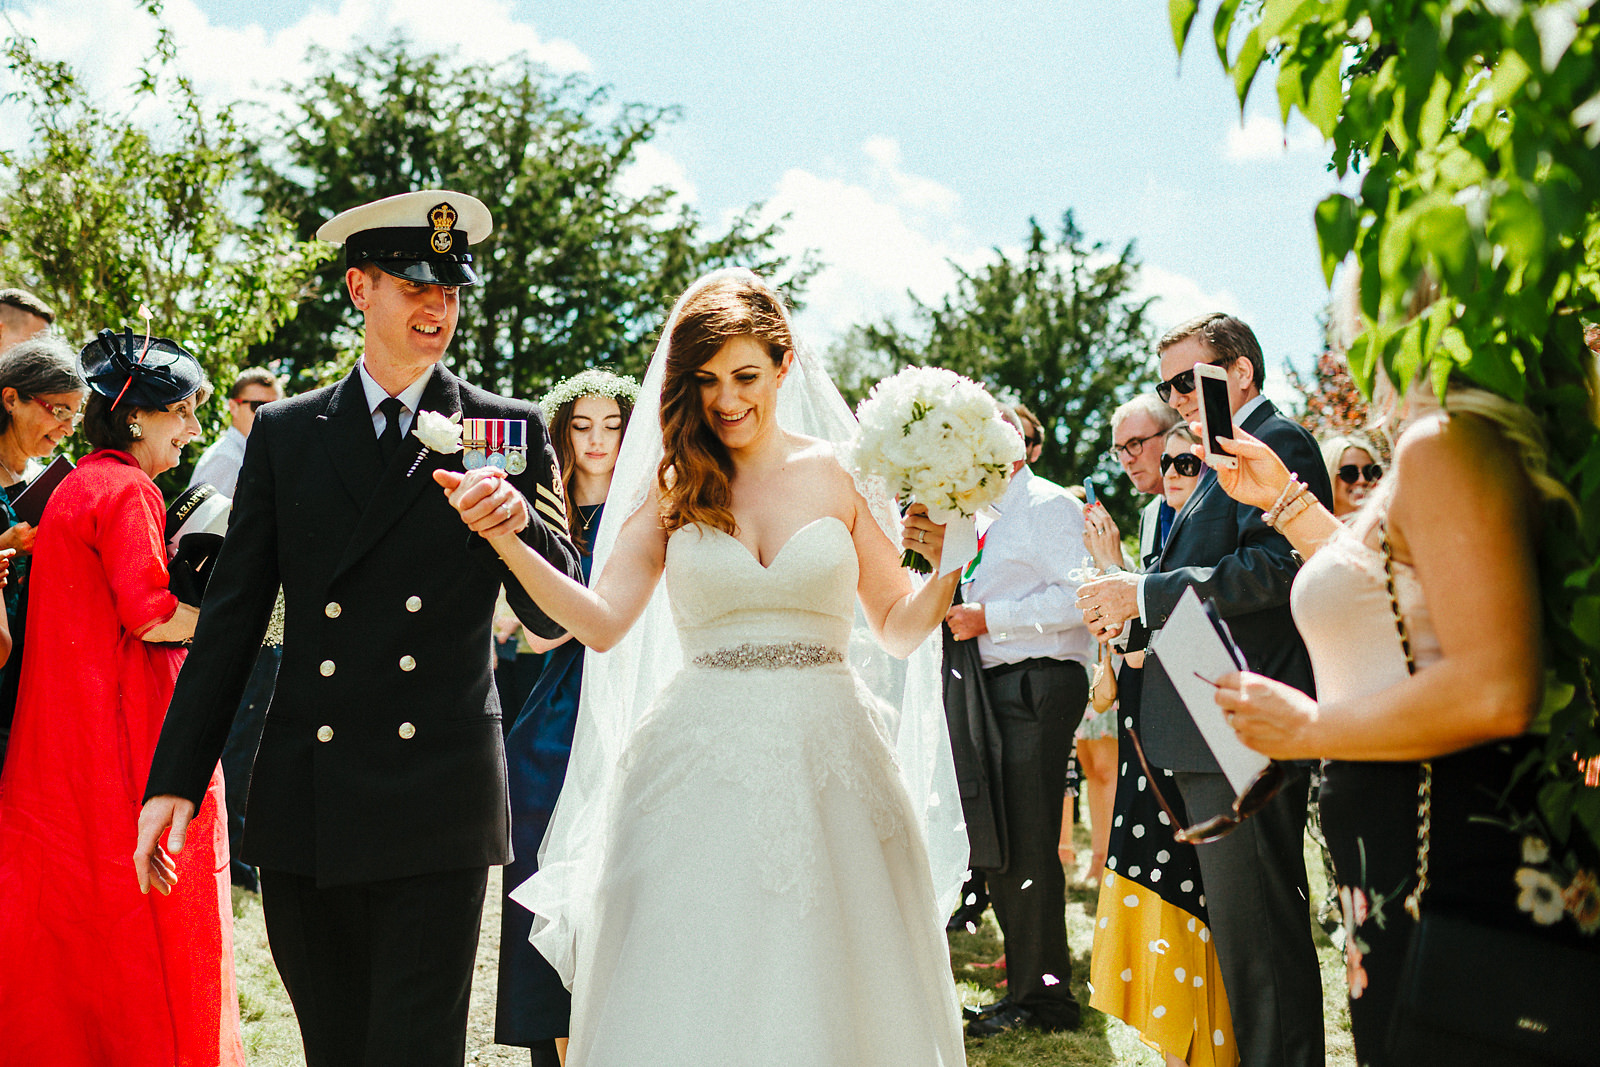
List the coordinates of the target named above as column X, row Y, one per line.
column 764, row 894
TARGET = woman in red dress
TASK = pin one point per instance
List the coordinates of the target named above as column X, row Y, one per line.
column 91, row 971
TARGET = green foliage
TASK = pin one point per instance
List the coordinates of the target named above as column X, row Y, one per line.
column 577, row 273
column 103, row 211
column 1056, row 327
column 1474, row 126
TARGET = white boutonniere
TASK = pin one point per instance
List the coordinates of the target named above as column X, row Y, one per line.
column 437, row 432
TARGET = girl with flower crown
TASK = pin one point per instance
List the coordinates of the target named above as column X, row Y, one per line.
column 588, row 416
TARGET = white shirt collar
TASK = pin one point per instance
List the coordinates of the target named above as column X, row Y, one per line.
column 1248, row 407
column 409, row 397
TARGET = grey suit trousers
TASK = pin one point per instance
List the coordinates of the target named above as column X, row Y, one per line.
column 1256, row 898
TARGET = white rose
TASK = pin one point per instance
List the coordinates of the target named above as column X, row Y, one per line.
column 439, row 433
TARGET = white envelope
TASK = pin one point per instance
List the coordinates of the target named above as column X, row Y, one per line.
column 1188, row 645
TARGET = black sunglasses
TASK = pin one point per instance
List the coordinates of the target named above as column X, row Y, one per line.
column 1183, row 382
column 1262, row 788
column 253, row 405
column 1351, row 473
column 1187, row 464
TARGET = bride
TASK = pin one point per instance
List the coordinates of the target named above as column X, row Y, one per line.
column 737, row 871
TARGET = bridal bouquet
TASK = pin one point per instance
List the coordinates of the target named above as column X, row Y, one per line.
column 936, row 439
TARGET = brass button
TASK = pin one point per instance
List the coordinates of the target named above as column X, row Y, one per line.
column 413, row 603
column 407, row 663
column 324, row 733
column 327, row 668
column 332, row 610
column 407, row 731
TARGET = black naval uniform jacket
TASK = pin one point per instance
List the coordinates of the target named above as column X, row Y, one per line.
column 382, row 755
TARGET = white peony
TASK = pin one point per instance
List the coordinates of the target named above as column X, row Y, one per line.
column 439, row 433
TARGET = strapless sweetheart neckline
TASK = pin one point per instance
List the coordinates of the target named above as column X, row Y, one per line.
column 745, row 549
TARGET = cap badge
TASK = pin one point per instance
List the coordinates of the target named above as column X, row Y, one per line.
column 443, row 217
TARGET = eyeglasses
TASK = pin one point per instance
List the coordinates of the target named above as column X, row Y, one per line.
column 1187, row 464
column 253, row 405
column 1032, row 442
column 1351, row 473
column 1132, row 448
column 60, row 412
column 1262, row 788
column 1183, row 382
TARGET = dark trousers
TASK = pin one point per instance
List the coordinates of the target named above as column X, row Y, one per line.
column 1037, row 708
column 239, row 756
column 379, row 972
column 1260, row 916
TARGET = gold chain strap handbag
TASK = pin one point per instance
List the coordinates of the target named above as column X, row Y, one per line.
column 1476, row 995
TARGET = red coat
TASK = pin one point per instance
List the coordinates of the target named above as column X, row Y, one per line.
column 91, row 971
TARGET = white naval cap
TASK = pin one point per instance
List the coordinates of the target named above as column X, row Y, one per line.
column 421, row 236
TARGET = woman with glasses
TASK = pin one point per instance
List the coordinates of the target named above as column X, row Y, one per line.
column 1180, row 467
column 1354, row 470
column 40, row 395
column 1422, row 618
column 94, row 972
column 1154, row 965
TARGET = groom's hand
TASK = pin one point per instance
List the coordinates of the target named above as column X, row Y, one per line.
column 489, row 504
column 154, row 864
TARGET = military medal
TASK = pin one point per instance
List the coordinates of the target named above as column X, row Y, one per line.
column 496, row 442
column 473, row 439
column 516, row 446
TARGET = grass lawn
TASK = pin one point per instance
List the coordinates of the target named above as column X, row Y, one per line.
column 273, row 1040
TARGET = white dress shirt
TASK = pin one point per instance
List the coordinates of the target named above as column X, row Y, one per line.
column 409, row 398
column 1028, row 601
column 219, row 465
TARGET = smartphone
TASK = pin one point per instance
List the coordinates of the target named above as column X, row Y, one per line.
column 1216, row 416
column 1088, row 492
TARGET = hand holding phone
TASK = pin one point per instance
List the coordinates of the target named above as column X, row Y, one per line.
column 1088, row 492
column 1216, row 414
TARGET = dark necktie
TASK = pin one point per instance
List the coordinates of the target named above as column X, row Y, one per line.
column 389, row 440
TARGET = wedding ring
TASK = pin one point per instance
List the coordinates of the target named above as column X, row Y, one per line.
column 505, row 509
column 922, row 538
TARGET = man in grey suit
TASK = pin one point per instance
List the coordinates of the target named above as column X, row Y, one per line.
column 1255, row 880
column 1138, row 433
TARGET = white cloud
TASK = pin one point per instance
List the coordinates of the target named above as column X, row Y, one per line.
column 249, row 63
column 879, row 234
column 651, row 167
column 1178, row 297
column 1261, row 137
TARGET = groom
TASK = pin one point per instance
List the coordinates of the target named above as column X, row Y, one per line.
column 378, row 801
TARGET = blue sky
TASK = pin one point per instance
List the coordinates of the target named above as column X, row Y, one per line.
column 898, row 136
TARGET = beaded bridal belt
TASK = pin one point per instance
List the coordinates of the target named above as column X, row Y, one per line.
column 749, row 657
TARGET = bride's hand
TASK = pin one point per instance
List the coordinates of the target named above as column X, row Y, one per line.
column 922, row 535
column 489, row 504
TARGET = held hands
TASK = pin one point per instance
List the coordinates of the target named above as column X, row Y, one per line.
column 1260, row 476
column 1101, row 537
column 488, row 503
column 1107, row 603
column 1275, row 719
column 153, row 864
column 922, row 535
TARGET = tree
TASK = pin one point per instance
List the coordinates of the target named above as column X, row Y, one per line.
column 576, row 273
column 1474, row 126
column 1331, row 402
column 104, row 211
column 1057, row 328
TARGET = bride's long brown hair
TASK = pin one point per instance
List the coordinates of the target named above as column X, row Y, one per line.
column 696, row 473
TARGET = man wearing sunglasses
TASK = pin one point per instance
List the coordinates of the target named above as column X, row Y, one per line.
column 219, row 466
column 1254, row 876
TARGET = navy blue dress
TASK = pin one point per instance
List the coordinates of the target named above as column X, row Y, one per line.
column 532, row 1007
